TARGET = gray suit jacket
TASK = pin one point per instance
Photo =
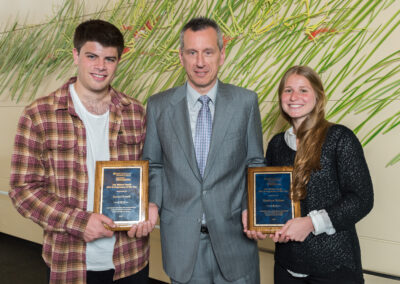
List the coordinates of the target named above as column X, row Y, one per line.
column 182, row 195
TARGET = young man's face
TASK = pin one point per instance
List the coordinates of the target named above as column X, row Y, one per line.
column 201, row 58
column 96, row 67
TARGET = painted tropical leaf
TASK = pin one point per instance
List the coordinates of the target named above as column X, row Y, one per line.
column 341, row 40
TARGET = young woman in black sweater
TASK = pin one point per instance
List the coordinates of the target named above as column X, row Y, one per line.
column 330, row 178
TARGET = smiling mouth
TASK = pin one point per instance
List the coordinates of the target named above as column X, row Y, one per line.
column 98, row 76
column 201, row 73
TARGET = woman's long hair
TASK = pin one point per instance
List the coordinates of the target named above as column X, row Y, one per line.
column 311, row 133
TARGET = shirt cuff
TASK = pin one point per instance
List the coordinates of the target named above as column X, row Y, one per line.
column 321, row 222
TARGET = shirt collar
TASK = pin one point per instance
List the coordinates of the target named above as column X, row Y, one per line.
column 290, row 139
column 193, row 95
column 63, row 98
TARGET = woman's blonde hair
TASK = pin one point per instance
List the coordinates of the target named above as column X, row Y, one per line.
column 311, row 133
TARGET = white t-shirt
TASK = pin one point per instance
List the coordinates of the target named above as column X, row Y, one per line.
column 99, row 253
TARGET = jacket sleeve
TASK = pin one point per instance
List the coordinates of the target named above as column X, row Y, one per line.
column 152, row 152
column 28, row 182
column 355, row 183
column 255, row 153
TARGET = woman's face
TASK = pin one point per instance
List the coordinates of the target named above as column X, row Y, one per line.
column 298, row 98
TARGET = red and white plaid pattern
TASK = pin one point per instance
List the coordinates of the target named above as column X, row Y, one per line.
column 49, row 179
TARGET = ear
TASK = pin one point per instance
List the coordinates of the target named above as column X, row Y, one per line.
column 222, row 56
column 181, row 56
column 75, row 53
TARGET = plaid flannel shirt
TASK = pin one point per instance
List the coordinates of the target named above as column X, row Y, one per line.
column 49, row 179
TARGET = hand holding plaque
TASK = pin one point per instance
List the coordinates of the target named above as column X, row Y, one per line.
column 269, row 203
column 121, row 192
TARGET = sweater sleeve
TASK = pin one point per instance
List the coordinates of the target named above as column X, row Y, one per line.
column 354, row 181
column 272, row 150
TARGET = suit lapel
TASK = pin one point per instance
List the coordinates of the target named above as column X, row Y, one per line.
column 179, row 116
column 222, row 117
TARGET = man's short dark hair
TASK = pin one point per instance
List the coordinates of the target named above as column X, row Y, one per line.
column 202, row 23
column 99, row 31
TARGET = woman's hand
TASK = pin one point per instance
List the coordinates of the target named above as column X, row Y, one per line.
column 296, row 229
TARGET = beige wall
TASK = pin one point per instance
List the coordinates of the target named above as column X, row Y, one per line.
column 379, row 232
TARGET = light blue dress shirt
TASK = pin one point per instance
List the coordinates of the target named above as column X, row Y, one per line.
column 194, row 105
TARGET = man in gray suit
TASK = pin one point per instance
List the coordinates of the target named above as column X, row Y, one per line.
column 201, row 137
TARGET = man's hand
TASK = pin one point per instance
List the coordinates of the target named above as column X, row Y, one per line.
column 251, row 234
column 142, row 229
column 95, row 228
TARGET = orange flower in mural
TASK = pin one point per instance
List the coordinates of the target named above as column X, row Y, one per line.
column 148, row 25
column 140, row 32
column 51, row 56
column 126, row 50
column 314, row 34
column 126, row 28
column 227, row 39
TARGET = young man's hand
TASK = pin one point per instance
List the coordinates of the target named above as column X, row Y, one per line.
column 95, row 228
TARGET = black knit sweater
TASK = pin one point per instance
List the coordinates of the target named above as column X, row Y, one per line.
column 343, row 188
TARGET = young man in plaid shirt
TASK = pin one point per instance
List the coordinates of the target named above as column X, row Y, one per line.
column 59, row 139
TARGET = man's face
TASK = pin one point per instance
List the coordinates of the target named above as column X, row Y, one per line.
column 201, row 58
column 96, row 67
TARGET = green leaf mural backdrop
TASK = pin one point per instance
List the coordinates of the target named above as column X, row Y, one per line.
column 259, row 36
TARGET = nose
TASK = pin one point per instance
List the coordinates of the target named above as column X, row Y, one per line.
column 294, row 96
column 100, row 64
column 200, row 60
